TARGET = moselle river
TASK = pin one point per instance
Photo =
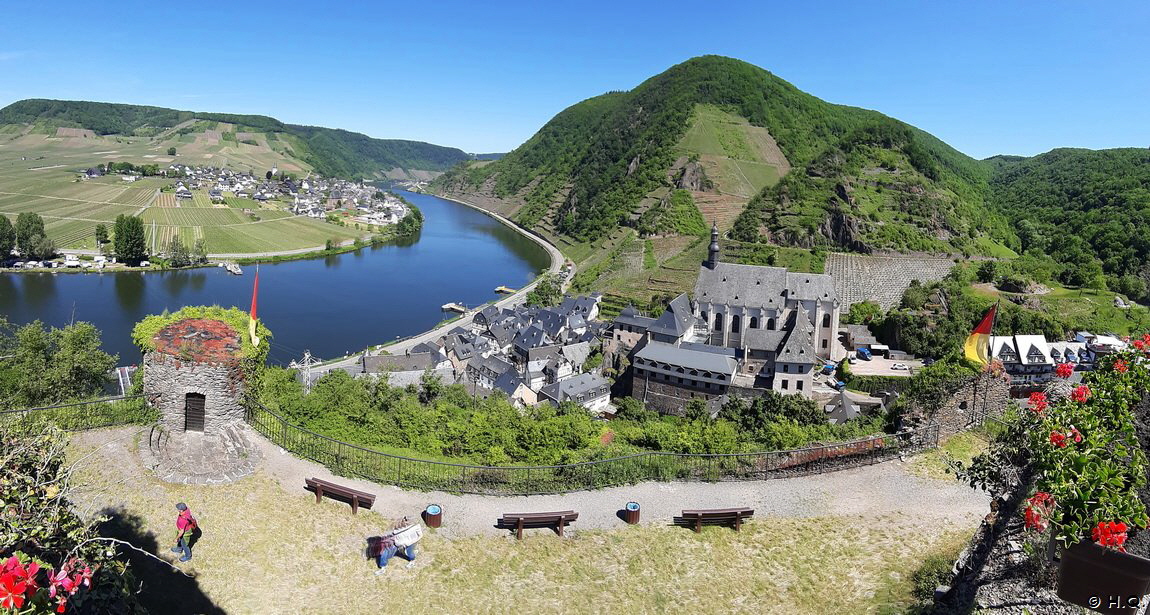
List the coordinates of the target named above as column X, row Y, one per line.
column 330, row 306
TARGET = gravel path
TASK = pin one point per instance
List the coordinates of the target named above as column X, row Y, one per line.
column 870, row 491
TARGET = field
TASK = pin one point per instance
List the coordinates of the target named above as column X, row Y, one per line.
column 71, row 209
column 740, row 158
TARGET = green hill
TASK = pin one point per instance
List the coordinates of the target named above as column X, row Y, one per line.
column 1078, row 207
column 331, row 152
column 727, row 131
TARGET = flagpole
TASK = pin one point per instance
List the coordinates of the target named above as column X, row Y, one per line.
column 985, row 389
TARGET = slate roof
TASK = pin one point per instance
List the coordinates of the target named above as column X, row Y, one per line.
column 758, row 286
column 688, row 357
column 583, row 384
column 576, row 353
column 491, row 366
column 676, row 320
column 508, row 382
column 577, row 305
column 799, row 347
column 532, row 337
column 487, row 315
column 397, row 363
column 631, row 316
column 764, row 339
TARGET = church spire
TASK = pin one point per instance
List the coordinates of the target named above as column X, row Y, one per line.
column 713, row 250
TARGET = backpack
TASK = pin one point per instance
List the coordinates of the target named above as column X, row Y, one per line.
column 192, row 523
column 408, row 536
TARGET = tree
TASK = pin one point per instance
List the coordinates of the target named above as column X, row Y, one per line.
column 987, row 271
column 131, row 247
column 863, row 312
column 7, row 236
column 28, row 225
column 101, row 234
column 178, row 254
column 547, row 292
column 171, row 151
column 42, row 248
column 200, row 251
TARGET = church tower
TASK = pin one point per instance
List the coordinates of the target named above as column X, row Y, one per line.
column 713, row 250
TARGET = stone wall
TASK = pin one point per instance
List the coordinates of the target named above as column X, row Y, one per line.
column 669, row 399
column 983, row 396
column 167, row 380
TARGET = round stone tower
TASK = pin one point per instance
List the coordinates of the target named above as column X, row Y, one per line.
column 194, row 375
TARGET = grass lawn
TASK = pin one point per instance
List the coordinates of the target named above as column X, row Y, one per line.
column 962, row 446
column 266, row 550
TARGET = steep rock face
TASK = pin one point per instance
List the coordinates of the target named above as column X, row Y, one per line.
column 693, row 177
column 843, row 229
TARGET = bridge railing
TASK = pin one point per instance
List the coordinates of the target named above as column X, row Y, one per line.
column 357, row 461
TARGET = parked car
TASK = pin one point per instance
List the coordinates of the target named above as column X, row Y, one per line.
column 900, row 366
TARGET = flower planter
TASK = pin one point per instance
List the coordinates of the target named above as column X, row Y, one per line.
column 1102, row 579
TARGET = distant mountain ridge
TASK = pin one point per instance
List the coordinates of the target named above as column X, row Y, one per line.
column 331, row 152
column 850, row 178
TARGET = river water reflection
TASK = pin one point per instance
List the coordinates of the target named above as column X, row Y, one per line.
column 330, row 305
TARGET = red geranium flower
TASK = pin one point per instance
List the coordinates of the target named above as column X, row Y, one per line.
column 1064, row 370
column 1058, row 439
column 1038, row 508
column 1080, row 394
column 1038, row 403
column 1077, row 434
column 1121, row 366
column 1110, row 534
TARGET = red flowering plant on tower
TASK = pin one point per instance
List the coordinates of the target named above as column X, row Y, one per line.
column 1086, row 457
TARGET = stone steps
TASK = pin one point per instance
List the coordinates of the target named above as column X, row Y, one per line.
column 195, row 458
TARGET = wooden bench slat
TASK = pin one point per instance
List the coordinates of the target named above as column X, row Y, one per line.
column 521, row 520
column 323, row 487
column 718, row 514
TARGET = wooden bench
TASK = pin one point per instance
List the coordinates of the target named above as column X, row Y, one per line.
column 529, row 520
column 332, row 490
column 718, row 516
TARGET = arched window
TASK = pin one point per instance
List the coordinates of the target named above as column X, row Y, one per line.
column 826, row 320
column 735, row 322
column 718, row 322
column 754, row 322
column 771, row 324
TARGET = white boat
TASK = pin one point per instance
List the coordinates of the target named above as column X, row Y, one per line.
column 234, row 269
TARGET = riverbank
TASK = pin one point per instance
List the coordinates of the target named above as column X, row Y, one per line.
column 464, row 320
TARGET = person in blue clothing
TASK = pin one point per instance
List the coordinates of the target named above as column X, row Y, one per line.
column 383, row 548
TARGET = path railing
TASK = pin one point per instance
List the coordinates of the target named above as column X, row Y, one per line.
column 351, row 460
column 78, row 416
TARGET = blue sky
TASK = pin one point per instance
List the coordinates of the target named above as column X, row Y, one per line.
column 987, row 77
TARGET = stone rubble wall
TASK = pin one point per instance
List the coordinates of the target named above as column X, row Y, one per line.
column 167, row 380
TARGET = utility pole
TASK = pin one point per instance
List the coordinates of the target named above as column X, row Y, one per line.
column 305, row 368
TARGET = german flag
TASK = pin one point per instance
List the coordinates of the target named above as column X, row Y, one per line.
column 977, row 347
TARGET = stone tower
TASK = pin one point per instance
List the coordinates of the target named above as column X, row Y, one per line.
column 194, row 375
column 713, row 249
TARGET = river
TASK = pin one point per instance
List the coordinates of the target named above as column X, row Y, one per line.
column 330, row 306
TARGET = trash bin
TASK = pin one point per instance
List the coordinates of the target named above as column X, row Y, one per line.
column 433, row 515
column 631, row 513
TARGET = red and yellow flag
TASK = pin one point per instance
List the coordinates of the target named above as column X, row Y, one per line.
column 252, row 320
column 977, row 347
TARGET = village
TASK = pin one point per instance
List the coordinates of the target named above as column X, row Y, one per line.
column 313, row 196
column 748, row 329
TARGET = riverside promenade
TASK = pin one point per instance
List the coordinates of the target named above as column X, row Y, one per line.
column 465, row 320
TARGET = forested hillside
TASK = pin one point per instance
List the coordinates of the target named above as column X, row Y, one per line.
column 332, row 152
column 1082, row 208
column 586, row 172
